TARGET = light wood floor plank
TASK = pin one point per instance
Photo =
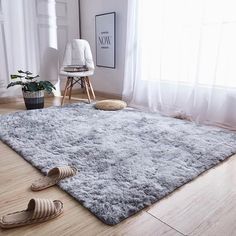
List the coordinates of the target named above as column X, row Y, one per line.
column 199, row 205
column 220, row 222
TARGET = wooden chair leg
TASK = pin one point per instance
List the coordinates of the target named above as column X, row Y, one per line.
column 87, row 90
column 71, row 86
column 82, row 86
column 91, row 88
column 65, row 91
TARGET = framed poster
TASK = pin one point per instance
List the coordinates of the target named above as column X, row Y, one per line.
column 105, row 40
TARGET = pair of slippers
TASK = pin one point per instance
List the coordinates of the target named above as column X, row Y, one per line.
column 40, row 210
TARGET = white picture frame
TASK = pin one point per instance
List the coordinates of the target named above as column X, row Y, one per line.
column 105, row 31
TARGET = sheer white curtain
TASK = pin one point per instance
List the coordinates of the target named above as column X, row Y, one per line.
column 181, row 59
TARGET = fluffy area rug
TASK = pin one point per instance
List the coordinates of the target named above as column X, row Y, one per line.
column 127, row 159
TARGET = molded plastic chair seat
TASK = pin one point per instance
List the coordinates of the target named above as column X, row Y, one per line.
column 77, row 74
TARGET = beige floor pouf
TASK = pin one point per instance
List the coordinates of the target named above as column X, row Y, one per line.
column 110, row 105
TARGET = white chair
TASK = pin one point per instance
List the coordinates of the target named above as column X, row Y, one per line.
column 78, row 52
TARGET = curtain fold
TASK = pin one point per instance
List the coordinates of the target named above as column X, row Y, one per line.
column 181, row 59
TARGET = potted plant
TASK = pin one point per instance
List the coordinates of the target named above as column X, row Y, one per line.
column 33, row 90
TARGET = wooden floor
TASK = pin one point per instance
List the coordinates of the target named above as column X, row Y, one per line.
column 206, row 206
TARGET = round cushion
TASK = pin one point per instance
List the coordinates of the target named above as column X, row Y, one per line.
column 110, row 105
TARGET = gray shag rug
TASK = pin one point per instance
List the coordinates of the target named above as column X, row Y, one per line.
column 127, row 159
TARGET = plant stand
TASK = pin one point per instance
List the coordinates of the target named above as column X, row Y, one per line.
column 34, row 100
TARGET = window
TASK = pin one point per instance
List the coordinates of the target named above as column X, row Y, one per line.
column 189, row 41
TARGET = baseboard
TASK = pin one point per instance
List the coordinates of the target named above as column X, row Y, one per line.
column 5, row 100
column 108, row 95
column 74, row 91
column 97, row 93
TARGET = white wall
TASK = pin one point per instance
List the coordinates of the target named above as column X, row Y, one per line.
column 33, row 35
column 106, row 80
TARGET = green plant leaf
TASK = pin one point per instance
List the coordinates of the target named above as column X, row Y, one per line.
column 25, row 72
column 15, row 83
column 16, row 76
column 21, row 72
column 32, row 86
column 31, row 77
column 47, row 86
